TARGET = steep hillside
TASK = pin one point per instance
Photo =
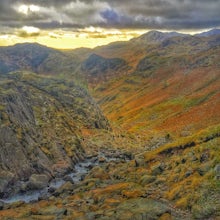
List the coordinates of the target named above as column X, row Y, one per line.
column 40, row 133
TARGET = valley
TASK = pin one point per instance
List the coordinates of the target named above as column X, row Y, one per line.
column 131, row 130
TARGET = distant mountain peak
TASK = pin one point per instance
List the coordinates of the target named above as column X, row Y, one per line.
column 209, row 33
column 157, row 36
column 25, row 46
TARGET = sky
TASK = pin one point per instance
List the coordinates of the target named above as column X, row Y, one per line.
column 90, row 23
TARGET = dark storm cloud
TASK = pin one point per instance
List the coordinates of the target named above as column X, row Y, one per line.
column 154, row 14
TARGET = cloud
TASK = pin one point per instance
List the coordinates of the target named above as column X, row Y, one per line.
column 28, row 31
column 110, row 16
column 169, row 14
column 26, row 9
column 123, row 14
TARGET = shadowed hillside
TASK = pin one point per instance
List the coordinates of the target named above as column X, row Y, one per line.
column 99, row 69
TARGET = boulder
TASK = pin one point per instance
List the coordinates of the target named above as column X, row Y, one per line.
column 139, row 160
column 14, row 205
column 43, row 197
column 188, row 173
column 5, row 179
column 99, row 173
column 2, row 204
column 204, row 168
column 157, row 169
column 68, row 179
column 128, row 156
column 102, row 160
column 65, row 188
column 217, row 171
column 51, row 190
column 146, row 179
column 139, row 209
column 23, row 186
column 3, row 185
column 38, row 181
column 53, row 210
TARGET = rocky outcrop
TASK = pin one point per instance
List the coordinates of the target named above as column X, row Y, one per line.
column 40, row 127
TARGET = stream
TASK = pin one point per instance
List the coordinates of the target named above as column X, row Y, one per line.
column 81, row 169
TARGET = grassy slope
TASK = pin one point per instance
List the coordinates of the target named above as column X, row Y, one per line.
column 172, row 98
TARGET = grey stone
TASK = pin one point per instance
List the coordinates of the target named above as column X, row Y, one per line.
column 157, row 169
column 188, row 173
column 146, row 179
column 53, row 210
column 139, row 160
column 2, row 204
column 38, row 181
column 65, row 188
column 217, row 171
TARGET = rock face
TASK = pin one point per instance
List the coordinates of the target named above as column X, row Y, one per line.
column 40, row 121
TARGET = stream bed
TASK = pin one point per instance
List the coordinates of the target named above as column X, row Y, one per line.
column 80, row 170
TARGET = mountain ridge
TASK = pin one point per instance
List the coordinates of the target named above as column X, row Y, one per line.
column 153, row 37
column 209, row 33
column 39, row 58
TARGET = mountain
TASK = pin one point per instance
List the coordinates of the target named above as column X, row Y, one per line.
column 27, row 56
column 145, row 119
column 154, row 37
column 180, row 68
column 210, row 33
column 154, row 41
column 38, row 59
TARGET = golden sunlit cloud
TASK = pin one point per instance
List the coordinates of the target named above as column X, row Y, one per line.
column 30, row 29
column 66, row 39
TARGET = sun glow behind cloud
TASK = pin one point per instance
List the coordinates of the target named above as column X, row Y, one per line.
column 66, row 39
